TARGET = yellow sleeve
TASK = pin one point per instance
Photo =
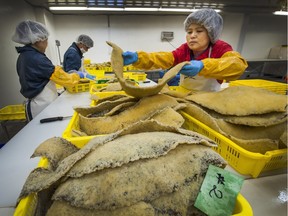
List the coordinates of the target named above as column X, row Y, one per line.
column 154, row 60
column 229, row 67
column 62, row 78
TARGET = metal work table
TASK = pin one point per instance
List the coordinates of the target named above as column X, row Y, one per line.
column 15, row 163
column 269, row 69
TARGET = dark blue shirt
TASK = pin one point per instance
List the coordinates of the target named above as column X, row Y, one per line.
column 72, row 58
column 34, row 70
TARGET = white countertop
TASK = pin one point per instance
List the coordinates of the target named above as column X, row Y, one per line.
column 15, row 163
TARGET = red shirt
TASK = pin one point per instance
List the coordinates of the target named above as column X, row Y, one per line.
column 183, row 53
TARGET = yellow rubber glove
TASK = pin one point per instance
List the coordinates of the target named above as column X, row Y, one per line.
column 229, row 67
column 154, row 60
column 62, row 78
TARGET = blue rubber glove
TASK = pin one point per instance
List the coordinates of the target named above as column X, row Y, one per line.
column 81, row 74
column 192, row 69
column 90, row 77
column 86, row 75
column 129, row 57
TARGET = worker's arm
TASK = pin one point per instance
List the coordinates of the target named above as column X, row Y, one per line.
column 60, row 77
column 229, row 67
column 146, row 61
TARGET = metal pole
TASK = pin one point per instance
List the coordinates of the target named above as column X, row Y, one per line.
column 58, row 44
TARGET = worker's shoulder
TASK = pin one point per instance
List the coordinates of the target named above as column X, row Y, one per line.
column 71, row 52
column 221, row 43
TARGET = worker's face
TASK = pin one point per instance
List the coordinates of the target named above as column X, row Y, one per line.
column 41, row 45
column 84, row 48
column 197, row 38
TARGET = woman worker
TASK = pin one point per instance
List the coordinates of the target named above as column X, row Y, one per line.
column 211, row 60
column 37, row 74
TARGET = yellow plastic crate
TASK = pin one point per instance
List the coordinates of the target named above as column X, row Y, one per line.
column 137, row 76
column 95, row 72
column 105, row 94
column 87, row 61
column 80, row 87
column 12, row 112
column 96, row 87
column 94, row 90
column 108, row 69
column 243, row 161
column 27, row 205
column 277, row 87
column 74, row 125
column 179, row 89
column 129, row 68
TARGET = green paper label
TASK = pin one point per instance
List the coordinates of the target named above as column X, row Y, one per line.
column 217, row 196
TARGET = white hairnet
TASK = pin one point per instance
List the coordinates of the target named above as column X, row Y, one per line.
column 86, row 40
column 208, row 18
column 29, row 32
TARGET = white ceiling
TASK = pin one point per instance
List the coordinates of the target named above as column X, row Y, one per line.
column 241, row 6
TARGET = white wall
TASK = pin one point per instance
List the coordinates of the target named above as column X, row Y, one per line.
column 131, row 32
column 232, row 28
column 47, row 19
column 263, row 33
column 95, row 26
column 11, row 13
column 252, row 35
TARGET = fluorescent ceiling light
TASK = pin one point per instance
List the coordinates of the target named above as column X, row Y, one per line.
column 86, row 8
column 67, row 8
column 182, row 10
column 104, row 9
column 285, row 13
column 140, row 9
column 176, row 9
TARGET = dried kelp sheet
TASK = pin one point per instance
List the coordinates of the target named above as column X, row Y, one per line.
column 241, row 101
column 40, row 178
column 61, row 208
column 61, row 148
column 131, row 147
column 255, row 139
column 128, row 86
column 141, row 180
column 104, row 106
column 126, row 158
column 169, row 116
column 143, row 109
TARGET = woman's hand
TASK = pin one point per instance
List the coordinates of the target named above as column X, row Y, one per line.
column 129, row 57
column 192, row 69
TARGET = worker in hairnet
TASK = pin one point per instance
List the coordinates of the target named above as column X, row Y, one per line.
column 74, row 54
column 211, row 60
column 37, row 74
